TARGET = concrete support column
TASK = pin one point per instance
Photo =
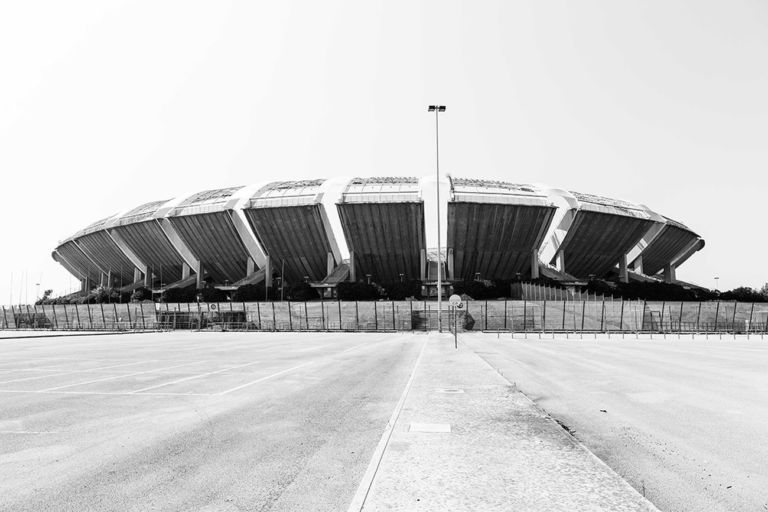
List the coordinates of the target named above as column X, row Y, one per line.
column 199, row 271
column 102, row 280
column 352, row 269
column 423, row 264
column 639, row 264
column 535, row 264
column 268, row 272
column 136, row 275
column 186, row 270
column 84, row 285
column 147, row 277
column 560, row 261
column 669, row 273
column 450, row 263
column 250, row 267
column 330, row 264
column 623, row 272
column 109, row 279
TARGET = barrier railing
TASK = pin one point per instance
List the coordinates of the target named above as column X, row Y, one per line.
column 493, row 315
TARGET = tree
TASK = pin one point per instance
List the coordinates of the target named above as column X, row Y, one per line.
column 45, row 299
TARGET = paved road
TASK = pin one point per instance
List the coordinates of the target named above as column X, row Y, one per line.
column 685, row 422
column 75, row 436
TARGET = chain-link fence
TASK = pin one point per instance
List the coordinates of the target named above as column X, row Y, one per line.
column 496, row 315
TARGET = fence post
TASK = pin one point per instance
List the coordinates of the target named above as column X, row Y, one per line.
column 663, row 307
column 322, row 311
column 77, row 315
column 544, row 316
column 733, row 319
column 564, row 314
column 357, row 317
column 306, row 315
column 258, row 314
column 394, row 326
column 505, row 314
column 375, row 316
column 274, row 317
column 338, row 301
column 141, row 308
column 717, row 314
column 410, row 307
column 103, row 319
column 698, row 318
column 525, row 315
column 90, row 318
column 621, row 319
column 290, row 317
column 749, row 324
column 602, row 315
column 583, row 313
column 486, row 315
column 5, row 318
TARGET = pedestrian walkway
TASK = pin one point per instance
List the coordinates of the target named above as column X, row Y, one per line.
column 466, row 440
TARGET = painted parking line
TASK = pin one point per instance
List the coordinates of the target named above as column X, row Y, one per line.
column 286, row 371
column 76, row 371
column 194, row 377
column 121, row 376
column 110, row 393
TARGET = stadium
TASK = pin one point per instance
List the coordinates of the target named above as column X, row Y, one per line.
column 327, row 231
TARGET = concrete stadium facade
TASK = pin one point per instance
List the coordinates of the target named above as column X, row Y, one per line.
column 326, row 231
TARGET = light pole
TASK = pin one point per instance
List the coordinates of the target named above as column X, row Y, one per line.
column 717, row 283
column 437, row 109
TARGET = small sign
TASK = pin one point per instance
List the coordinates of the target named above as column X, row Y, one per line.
column 455, row 301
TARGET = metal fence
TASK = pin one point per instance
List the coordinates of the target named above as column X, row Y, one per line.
column 497, row 315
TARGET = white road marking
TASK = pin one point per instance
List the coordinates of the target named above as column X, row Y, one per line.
column 194, row 377
column 75, row 371
column 114, row 393
column 285, row 371
column 119, row 376
column 358, row 502
column 25, row 432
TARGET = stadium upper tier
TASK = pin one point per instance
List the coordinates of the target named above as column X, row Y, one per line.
column 323, row 231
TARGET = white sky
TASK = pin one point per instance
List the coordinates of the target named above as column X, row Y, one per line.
column 106, row 105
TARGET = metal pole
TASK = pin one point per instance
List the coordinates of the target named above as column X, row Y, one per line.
column 439, row 252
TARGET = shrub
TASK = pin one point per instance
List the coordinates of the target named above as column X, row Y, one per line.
column 254, row 292
column 401, row 291
column 187, row 294
column 357, row 291
column 141, row 294
column 303, row 292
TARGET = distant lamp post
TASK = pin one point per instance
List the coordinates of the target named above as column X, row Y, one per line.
column 401, row 277
column 368, row 278
column 437, row 109
column 717, row 283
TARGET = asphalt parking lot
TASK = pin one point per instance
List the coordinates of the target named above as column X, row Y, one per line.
column 685, row 421
column 194, row 421
column 329, row 421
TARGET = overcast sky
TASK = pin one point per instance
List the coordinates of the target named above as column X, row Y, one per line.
column 105, row 105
